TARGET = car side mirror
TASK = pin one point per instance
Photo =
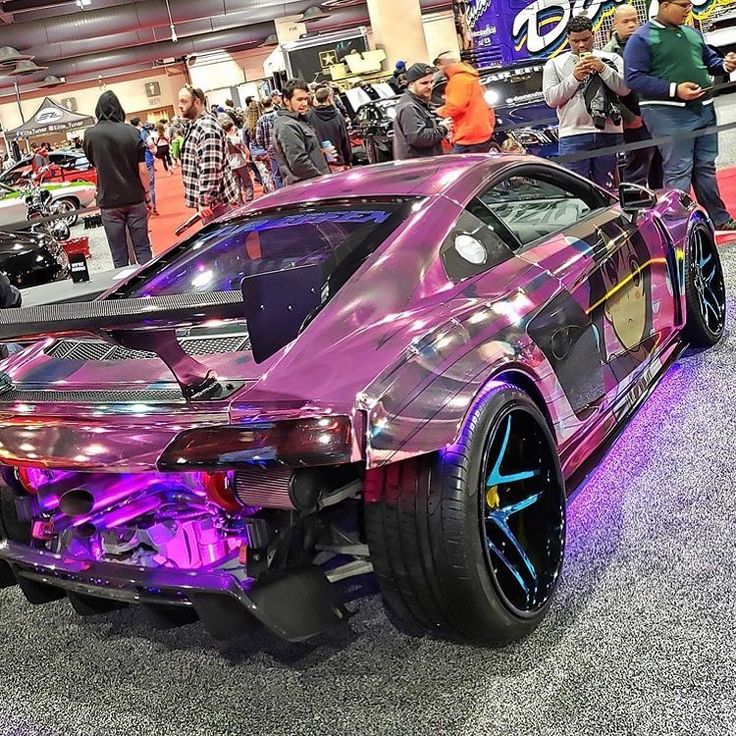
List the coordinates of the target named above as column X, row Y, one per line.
column 635, row 198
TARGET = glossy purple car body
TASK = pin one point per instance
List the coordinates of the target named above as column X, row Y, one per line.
column 403, row 369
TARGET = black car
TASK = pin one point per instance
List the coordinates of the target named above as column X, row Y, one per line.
column 32, row 259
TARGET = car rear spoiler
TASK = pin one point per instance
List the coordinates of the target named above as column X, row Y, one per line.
column 148, row 324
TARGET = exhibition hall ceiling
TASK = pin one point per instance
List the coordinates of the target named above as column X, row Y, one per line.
column 107, row 36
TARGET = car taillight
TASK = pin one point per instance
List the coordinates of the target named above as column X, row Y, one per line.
column 294, row 442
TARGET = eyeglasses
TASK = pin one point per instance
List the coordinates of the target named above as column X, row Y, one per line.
column 195, row 92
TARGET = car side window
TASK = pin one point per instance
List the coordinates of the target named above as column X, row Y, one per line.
column 532, row 207
column 471, row 248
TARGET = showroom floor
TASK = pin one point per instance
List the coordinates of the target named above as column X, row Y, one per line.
column 640, row 638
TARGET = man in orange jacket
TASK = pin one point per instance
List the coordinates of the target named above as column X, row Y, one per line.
column 473, row 119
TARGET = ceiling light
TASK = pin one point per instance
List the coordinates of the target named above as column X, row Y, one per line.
column 26, row 67
column 9, row 57
column 313, row 12
column 51, row 81
column 174, row 37
column 83, row 3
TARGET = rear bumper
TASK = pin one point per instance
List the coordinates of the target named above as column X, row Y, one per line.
column 295, row 605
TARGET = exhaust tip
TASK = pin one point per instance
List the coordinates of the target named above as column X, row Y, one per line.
column 77, row 502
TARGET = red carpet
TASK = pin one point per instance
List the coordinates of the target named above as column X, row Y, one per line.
column 172, row 210
column 170, row 204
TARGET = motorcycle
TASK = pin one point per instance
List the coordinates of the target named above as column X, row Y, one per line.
column 40, row 207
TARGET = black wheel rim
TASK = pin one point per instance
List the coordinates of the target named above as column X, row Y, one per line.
column 522, row 512
column 707, row 278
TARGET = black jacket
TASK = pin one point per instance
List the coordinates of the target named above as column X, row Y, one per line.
column 330, row 125
column 115, row 150
column 601, row 101
column 417, row 131
column 297, row 149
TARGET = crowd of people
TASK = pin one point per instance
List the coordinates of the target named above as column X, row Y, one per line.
column 652, row 81
column 442, row 109
column 222, row 151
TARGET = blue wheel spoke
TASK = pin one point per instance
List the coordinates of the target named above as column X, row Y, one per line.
column 710, row 308
column 505, row 529
column 514, row 508
column 495, row 477
column 511, row 568
column 704, row 260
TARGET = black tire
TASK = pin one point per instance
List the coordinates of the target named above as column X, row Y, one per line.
column 705, row 289
column 431, row 538
column 66, row 204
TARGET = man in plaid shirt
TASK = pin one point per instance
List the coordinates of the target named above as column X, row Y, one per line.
column 264, row 138
column 209, row 184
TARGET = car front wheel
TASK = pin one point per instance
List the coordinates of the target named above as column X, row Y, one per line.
column 469, row 542
column 705, row 289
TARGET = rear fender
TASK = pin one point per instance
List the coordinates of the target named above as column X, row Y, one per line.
column 434, row 418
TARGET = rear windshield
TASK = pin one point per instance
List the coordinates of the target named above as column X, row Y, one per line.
column 338, row 238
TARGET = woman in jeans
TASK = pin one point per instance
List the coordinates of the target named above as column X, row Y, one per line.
column 238, row 160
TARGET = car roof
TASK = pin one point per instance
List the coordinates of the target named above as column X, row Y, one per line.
column 419, row 177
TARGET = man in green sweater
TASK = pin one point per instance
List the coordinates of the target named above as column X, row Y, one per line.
column 668, row 64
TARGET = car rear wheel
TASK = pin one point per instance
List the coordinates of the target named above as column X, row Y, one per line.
column 705, row 289
column 469, row 542
column 63, row 206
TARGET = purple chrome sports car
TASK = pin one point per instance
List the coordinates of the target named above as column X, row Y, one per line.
column 404, row 370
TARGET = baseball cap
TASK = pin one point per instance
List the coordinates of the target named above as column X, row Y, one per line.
column 417, row 71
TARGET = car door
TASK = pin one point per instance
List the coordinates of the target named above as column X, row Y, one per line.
column 615, row 277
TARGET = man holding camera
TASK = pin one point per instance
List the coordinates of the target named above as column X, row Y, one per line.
column 564, row 85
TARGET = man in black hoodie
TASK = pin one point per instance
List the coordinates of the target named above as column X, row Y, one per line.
column 330, row 125
column 117, row 152
column 294, row 140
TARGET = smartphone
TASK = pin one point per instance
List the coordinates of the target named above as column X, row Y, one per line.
column 583, row 54
column 707, row 89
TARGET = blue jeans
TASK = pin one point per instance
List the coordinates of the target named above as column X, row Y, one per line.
column 278, row 182
column 474, row 148
column 134, row 219
column 152, row 183
column 600, row 169
column 690, row 161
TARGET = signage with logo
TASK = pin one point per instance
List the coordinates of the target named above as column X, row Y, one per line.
column 49, row 115
column 153, row 89
column 500, row 32
column 70, row 103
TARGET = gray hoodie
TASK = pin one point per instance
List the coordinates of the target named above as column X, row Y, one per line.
column 563, row 92
column 297, row 149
